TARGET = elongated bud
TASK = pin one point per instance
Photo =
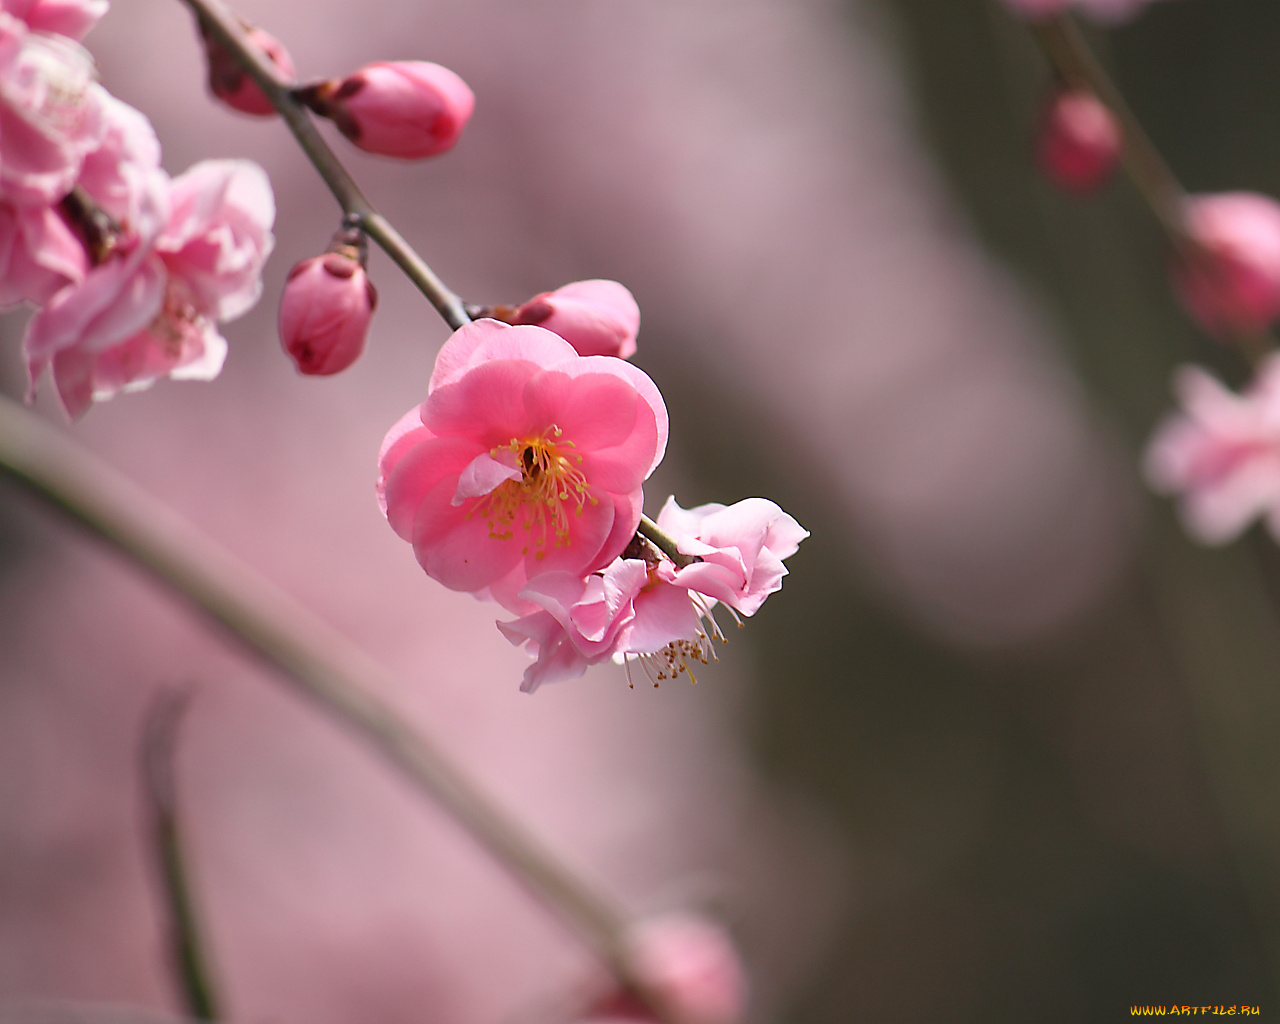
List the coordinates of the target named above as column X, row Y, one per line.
column 326, row 307
column 598, row 318
column 1079, row 144
column 409, row 109
column 229, row 81
column 1232, row 284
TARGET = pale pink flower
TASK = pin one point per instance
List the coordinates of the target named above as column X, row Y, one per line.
column 525, row 458
column 740, row 548
column 1079, row 141
column 39, row 254
column 70, row 18
column 597, row 317
column 194, row 257
column 325, row 312
column 408, row 109
column 50, row 113
column 1221, row 454
column 1234, row 283
column 229, row 82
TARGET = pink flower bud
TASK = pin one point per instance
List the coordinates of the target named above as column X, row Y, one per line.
column 229, row 81
column 325, row 312
column 1079, row 143
column 690, row 964
column 409, row 109
column 1233, row 282
column 598, row 318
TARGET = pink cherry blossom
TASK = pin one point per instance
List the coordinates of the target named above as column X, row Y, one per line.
column 1234, row 283
column 740, row 548
column 526, row 458
column 597, row 317
column 408, row 109
column 325, row 312
column 1221, row 454
column 229, row 82
column 70, row 18
column 39, row 254
column 194, row 257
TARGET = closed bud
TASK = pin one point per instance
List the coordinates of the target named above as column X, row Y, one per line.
column 598, row 318
column 325, row 311
column 1079, row 144
column 230, row 83
column 1231, row 282
column 408, row 109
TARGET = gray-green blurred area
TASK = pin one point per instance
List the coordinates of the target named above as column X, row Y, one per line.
column 1071, row 826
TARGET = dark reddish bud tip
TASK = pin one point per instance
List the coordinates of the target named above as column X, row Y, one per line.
column 598, row 318
column 325, row 311
column 407, row 109
column 230, row 83
column 1079, row 143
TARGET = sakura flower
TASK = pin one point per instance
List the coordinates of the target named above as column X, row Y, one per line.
column 526, row 458
column 409, row 109
column 1234, row 283
column 193, row 257
column 1221, row 454
column 50, row 113
column 39, row 254
column 740, row 549
column 598, row 318
column 70, row 18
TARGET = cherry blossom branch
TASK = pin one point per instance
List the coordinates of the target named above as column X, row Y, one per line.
column 226, row 28
column 1067, row 51
column 328, row 670
column 664, row 542
column 159, row 737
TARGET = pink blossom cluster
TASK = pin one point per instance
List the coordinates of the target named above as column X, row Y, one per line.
column 520, row 480
column 1221, row 454
column 131, row 270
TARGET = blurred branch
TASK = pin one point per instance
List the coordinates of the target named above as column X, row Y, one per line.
column 1074, row 62
column 227, row 29
column 159, row 738
column 328, row 670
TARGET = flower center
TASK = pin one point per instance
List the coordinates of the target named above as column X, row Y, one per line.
column 679, row 655
column 551, row 489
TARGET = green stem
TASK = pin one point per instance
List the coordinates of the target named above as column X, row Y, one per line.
column 160, row 733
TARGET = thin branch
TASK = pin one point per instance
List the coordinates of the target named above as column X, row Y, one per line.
column 664, row 542
column 1067, row 51
column 328, row 670
column 226, row 29
column 159, row 737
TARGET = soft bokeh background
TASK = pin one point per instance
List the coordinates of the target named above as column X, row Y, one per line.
column 1004, row 747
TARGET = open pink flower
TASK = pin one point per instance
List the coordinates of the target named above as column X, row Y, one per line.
column 598, row 317
column 526, row 458
column 39, row 254
column 50, row 113
column 194, row 257
column 1221, row 454
column 740, row 548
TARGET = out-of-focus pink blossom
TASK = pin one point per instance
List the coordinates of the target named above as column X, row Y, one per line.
column 1221, row 454
column 1078, row 146
column 1233, row 283
column 1100, row 10
column 50, row 113
column 525, row 458
column 409, row 109
column 39, row 254
column 70, row 18
column 740, row 548
column 690, row 965
column 598, row 318
column 194, row 257
column 325, row 312
column 230, row 83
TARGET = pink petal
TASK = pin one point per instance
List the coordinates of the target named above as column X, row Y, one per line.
column 594, row 411
column 482, row 475
column 426, row 462
column 486, row 405
column 484, row 340
column 456, row 548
